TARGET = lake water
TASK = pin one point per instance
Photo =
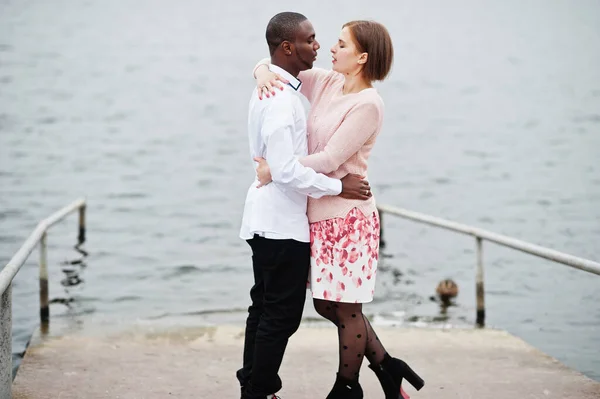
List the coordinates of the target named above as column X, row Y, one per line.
column 492, row 119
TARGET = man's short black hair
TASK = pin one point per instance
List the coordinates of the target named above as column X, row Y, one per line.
column 282, row 27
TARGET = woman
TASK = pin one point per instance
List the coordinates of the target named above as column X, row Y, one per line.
column 345, row 118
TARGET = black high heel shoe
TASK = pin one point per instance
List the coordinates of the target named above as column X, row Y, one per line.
column 345, row 389
column 390, row 373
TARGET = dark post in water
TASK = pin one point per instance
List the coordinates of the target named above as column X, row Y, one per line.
column 81, row 235
column 44, row 302
column 381, row 240
column 479, row 285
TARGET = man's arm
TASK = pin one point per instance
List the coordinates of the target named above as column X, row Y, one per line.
column 277, row 130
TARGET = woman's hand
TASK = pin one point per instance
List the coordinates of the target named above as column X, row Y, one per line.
column 267, row 80
column 263, row 172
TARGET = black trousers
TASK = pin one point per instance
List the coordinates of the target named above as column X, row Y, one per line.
column 278, row 295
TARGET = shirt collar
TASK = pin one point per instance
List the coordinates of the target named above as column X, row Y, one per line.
column 294, row 82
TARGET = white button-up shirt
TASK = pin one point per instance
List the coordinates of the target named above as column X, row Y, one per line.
column 277, row 132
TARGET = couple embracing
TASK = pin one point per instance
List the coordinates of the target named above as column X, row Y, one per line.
column 310, row 215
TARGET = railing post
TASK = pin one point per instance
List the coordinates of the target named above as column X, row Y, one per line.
column 381, row 240
column 6, row 344
column 81, row 235
column 479, row 289
column 44, row 302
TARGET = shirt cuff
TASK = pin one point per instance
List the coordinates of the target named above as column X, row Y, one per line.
column 338, row 187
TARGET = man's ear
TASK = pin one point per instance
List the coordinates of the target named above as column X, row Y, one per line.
column 287, row 47
column 363, row 58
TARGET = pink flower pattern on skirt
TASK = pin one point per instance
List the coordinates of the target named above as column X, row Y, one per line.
column 344, row 255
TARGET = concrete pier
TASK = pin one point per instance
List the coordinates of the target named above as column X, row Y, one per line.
column 201, row 363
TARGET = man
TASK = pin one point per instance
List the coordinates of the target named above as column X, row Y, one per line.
column 275, row 222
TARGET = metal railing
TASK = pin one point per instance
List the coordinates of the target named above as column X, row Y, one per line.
column 10, row 271
column 480, row 235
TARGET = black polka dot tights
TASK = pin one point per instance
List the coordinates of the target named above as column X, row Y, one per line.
column 356, row 336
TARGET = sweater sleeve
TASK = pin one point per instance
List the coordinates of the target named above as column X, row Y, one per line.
column 264, row 61
column 311, row 79
column 358, row 126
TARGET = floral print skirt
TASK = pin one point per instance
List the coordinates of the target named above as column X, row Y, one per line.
column 344, row 254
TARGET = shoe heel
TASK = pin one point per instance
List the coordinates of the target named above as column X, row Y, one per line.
column 412, row 377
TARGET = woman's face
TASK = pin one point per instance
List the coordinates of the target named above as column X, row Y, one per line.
column 346, row 58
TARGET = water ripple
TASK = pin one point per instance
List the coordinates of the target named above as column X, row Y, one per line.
column 186, row 270
column 593, row 118
column 127, row 298
column 128, row 195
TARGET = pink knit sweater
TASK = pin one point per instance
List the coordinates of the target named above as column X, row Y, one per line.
column 341, row 133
